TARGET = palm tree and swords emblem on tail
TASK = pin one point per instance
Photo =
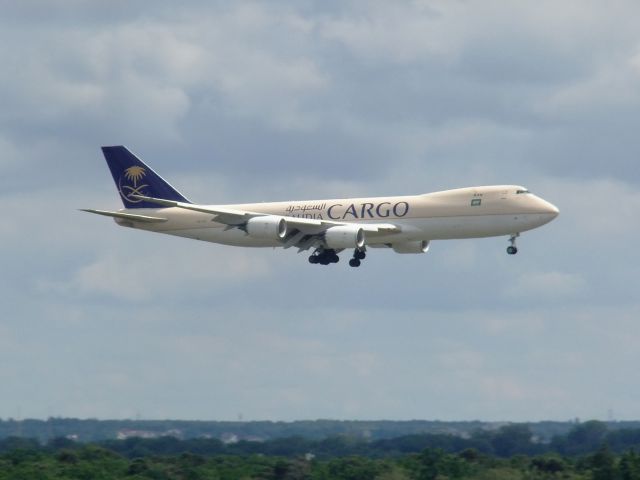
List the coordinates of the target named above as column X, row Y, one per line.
column 134, row 175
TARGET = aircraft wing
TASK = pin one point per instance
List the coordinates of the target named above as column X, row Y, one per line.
column 307, row 228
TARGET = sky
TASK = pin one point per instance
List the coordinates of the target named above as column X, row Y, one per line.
column 258, row 101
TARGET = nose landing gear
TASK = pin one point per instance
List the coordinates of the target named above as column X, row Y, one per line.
column 512, row 249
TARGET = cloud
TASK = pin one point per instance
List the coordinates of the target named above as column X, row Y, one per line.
column 546, row 285
column 602, row 207
column 145, row 74
column 461, row 359
column 398, row 33
column 139, row 276
column 255, row 101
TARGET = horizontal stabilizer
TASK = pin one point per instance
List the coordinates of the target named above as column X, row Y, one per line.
column 126, row 216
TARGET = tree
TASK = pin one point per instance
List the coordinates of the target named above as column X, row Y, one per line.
column 584, row 438
column 630, row 466
column 353, row 468
column 512, row 439
column 548, row 464
column 603, row 464
column 433, row 463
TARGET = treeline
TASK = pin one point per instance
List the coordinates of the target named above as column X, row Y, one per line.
column 90, row 430
column 505, row 442
column 87, row 430
column 93, row 462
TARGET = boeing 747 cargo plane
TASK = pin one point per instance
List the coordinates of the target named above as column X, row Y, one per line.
column 405, row 224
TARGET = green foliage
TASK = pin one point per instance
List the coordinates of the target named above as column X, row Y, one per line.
column 512, row 439
column 96, row 463
column 603, row 464
column 350, row 468
column 549, row 464
column 629, row 466
column 507, row 453
column 501, row 473
column 326, row 439
column 13, row 444
column 582, row 439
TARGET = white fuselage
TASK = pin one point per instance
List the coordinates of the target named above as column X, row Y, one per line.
column 462, row 213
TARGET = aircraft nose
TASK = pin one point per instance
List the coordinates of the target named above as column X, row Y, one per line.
column 547, row 210
column 550, row 209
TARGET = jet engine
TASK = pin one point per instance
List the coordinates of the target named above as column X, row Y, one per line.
column 417, row 246
column 269, row 227
column 344, row 236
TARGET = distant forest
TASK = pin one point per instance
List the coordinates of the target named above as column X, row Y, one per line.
column 91, row 430
column 587, row 451
column 506, row 441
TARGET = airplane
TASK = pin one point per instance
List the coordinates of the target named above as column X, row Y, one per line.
column 406, row 224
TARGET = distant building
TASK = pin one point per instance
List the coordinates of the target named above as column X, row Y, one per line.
column 229, row 438
column 124, row 434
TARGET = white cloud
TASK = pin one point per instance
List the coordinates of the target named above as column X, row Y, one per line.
column 540, row 286
column 461, row 359
column 144, row 75
column 461, row 256
column 611, row 87
column 6, row 340
column 140, row 276
column 363, row 364
column 501, row 388
column 393, row 32
column 600, row 208
column 276, row 101
column 9, row 154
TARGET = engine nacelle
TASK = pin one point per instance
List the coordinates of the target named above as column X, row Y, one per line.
column 417, row 246
column 269, row 227
column 344, row 236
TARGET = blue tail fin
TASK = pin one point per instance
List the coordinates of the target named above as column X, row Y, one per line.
column 133, row 177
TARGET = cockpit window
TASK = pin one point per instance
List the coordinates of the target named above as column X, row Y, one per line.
column 519, row 192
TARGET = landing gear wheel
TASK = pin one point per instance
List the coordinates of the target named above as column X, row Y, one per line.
column 512, row 250
column 354, row 262
column 324, row 257
column 360, row 254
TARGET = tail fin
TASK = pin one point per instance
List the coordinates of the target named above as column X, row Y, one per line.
column 133, row 177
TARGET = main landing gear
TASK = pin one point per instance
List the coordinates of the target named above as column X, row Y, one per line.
column 512, row 249
column 324, row 257
column 358, row 256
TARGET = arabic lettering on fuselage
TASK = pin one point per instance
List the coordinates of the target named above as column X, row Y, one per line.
column 305, row 208
column 339, row 211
